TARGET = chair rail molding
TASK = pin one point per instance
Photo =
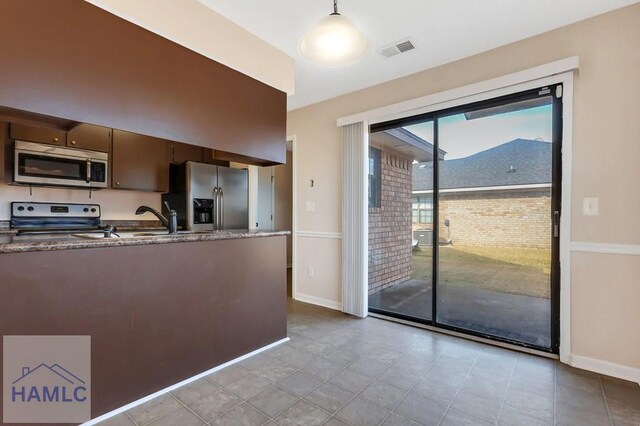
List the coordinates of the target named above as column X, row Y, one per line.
column 319, row 234
column 606, row 248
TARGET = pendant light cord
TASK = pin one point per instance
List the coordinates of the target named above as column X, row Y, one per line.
column 335, row 7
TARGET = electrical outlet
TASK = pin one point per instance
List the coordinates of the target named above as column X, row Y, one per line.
column 590, row 206
column 311, row 272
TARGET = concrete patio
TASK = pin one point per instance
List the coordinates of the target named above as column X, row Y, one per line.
column 512, row 316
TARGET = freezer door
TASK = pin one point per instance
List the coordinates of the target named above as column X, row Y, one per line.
column 200, row 184
column 235, row 198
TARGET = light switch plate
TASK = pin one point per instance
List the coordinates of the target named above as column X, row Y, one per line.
column 311, row 206
column 590, row 206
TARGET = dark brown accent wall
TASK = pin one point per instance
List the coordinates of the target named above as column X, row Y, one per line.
column 72, row 60
column 156, row 314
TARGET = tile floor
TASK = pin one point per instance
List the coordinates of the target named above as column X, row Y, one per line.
column 338, row 370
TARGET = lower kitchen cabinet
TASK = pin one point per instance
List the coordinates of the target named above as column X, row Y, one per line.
column 139, row 162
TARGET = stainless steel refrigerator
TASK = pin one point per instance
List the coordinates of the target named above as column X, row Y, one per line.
column 208, row 197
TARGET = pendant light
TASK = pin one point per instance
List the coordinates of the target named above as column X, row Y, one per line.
column 334, row 41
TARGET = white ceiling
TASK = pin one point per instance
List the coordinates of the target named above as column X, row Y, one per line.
column 442, row 31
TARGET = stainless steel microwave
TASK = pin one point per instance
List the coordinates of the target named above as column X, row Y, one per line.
column 42, row 164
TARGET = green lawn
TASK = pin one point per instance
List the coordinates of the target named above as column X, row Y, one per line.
column 522, row 271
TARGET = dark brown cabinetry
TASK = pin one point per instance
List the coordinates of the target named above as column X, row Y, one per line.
column 38, row 134
column 157, row 314
column 100, row 63
column 88, row 136
column 182, row 152
column 4, row 154
column 139, row 162
column 83, row 136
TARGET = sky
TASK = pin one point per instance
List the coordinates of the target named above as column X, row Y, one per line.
column 460, row 137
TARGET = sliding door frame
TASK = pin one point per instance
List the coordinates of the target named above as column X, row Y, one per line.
column 559, row 71
column 556, row 101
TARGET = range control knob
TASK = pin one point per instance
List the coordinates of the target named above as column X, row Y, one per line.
column 86, row 210
column 20, row 208
column 30, row 208
column 93, row 210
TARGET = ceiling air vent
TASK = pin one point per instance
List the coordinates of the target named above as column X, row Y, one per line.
column 397, row 48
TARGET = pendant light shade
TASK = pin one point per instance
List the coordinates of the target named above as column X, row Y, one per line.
column 334, row 41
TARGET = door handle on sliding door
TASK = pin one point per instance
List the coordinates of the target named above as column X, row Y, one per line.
column 556, row 224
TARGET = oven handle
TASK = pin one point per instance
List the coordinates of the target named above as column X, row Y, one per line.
column 88, row 178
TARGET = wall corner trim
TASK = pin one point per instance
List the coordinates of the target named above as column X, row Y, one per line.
column 415, row 106
column 319, row 301
column 605, row 367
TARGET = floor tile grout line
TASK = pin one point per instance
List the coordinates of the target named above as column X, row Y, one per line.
column 555, row 393
column 189, row 409
column 131, row 418
column 459, row 389
column 504, row 401
column 606, row 403
column 368, row 383
column 416, row 383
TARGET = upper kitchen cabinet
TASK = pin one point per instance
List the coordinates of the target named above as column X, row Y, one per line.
column 139, row 162
column 88, row 136
column 99, row 68
column 83, row 136
column 182, row 152
column 4, row 147
column 49, row 135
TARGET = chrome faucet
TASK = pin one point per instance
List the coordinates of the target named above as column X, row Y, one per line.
column 171, row 224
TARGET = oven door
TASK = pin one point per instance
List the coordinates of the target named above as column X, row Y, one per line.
column 58, row 166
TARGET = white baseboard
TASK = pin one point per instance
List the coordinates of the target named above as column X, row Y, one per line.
column 177, row 385
column 326, row 303
column 607, row 368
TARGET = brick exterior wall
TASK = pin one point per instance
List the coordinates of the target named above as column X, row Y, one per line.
column 497, row 219
column 390, row 259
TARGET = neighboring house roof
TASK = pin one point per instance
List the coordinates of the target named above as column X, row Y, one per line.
column 403, row 142
column 531, row 160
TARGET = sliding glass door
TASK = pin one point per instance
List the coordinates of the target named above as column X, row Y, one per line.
column 401, row 221
column 484, row 247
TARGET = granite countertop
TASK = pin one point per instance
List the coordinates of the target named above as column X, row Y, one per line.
column 11, row 243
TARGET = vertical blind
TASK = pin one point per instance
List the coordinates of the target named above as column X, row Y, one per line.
column 355, row 220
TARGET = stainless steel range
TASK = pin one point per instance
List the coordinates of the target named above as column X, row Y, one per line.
column 54, row 218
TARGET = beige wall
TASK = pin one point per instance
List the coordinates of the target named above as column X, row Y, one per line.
column 197, row 27
column 116, row 204
column 606, row 149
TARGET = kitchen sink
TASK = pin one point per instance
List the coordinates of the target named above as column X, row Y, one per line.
column 98, row 235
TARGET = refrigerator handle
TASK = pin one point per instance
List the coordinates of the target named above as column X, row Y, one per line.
column 221, row 209
column 215, row 208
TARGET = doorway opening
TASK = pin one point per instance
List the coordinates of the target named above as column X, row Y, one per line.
column 464, row 209
column 274, row 202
